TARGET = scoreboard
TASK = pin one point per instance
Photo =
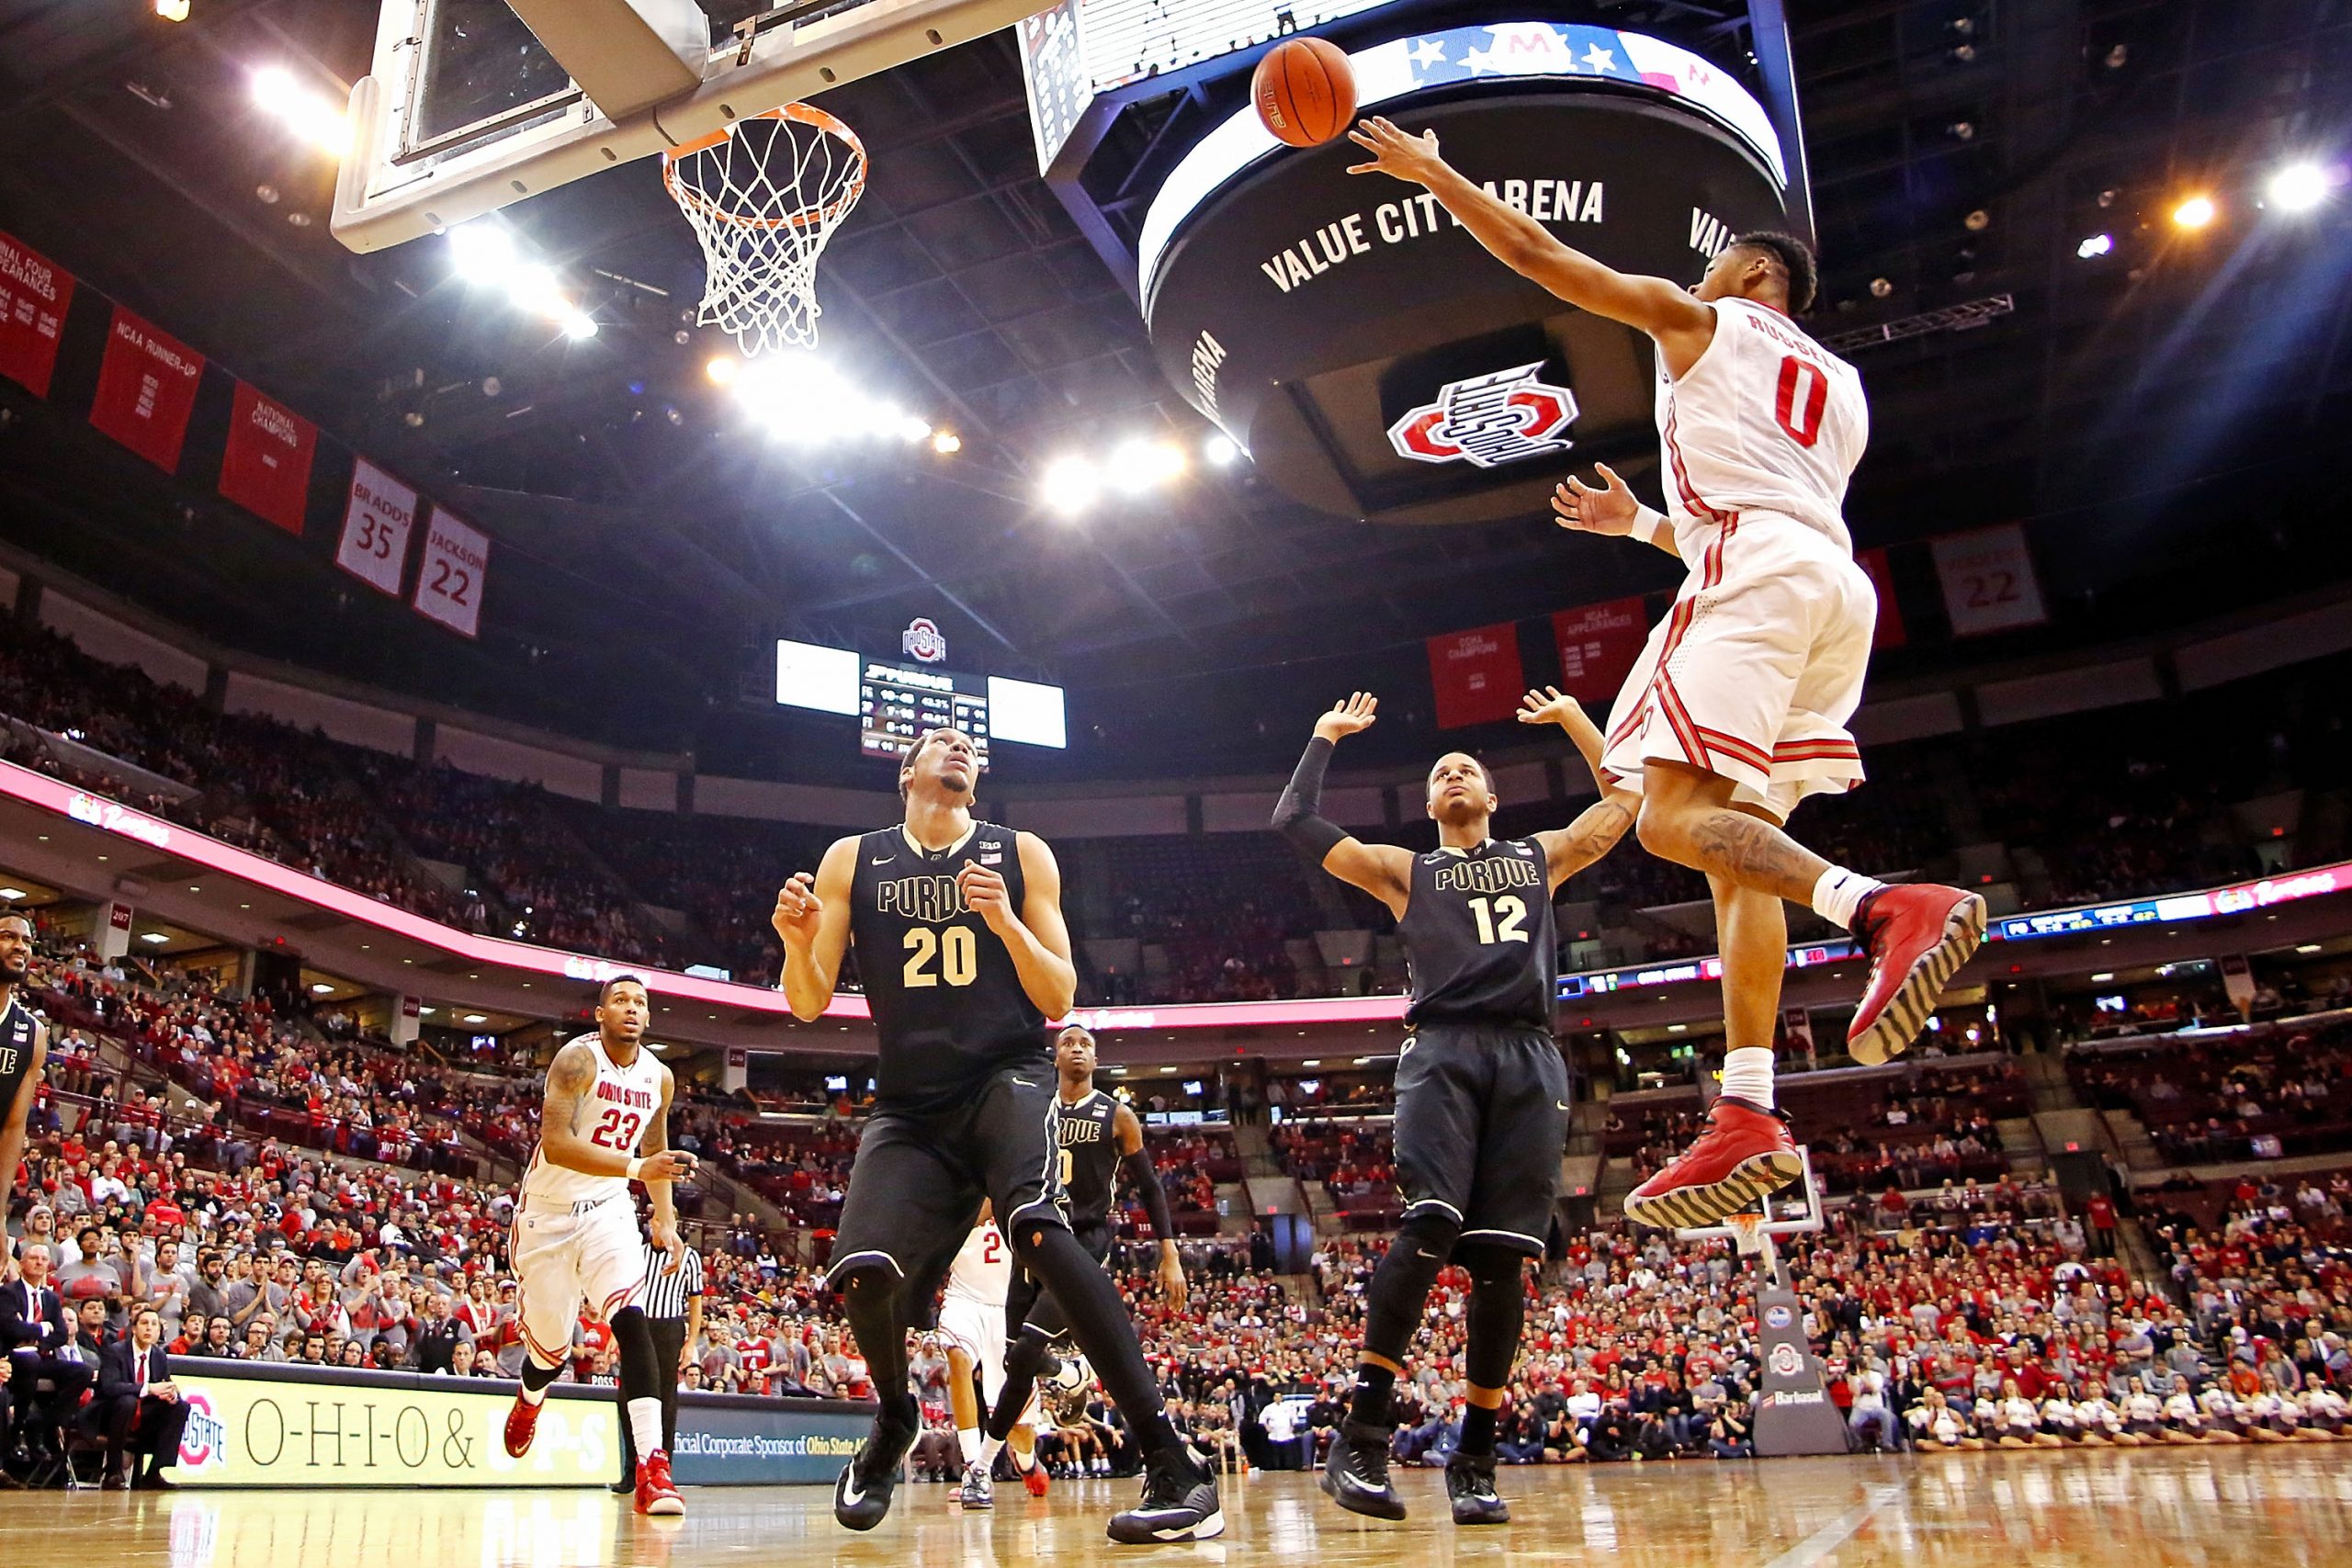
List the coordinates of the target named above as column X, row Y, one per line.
column 897, row 702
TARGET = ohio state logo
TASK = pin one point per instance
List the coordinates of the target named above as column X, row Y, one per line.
column 1506, row 417
column 205, row 1436
column 924, row 641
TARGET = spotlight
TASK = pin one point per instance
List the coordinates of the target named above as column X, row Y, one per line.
column 172, row 10
column 912, row 430
column 1220, row 450
column 2299, row 188
column 1070, row 486
column 306, row 114
column 1880, row 287
column 946, row 442
column 1978, row 221
column 1965, row 53
column 2195, row 213
column 579, row 326
column 2096, row 245
column 481, row 252
column 532, row 286
column 722, row 369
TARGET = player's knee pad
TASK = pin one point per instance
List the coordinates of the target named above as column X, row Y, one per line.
column 1496, row 1312
column 1400, row 1286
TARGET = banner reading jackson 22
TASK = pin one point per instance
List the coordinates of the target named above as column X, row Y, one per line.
column 272, row 1431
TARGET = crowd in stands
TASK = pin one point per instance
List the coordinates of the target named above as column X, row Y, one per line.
column 2271, row 1091
column 2093, row 805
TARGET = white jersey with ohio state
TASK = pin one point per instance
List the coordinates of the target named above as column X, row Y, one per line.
column 1767, row 421
column 982, row 1272
column 613, row 1114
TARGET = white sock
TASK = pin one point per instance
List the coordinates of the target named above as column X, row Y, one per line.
column 1747, row 1075
column 535, row 1395
column 968, row 1439
column 645, row 1424
column 1835, row 896
column 989, row 1449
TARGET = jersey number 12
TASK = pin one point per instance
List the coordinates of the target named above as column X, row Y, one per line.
column 1499, row 920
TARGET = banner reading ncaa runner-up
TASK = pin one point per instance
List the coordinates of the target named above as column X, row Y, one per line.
column 1308, row 311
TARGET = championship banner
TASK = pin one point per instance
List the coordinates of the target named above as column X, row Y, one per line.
column 146, row 389
column 266, row 469
column 34, row 294
column 1598, row 647
column 1889, row 633
column 1476, row 675
column 267, row 1431
column 1988, row 580
column 374, row 548
column 449, row 578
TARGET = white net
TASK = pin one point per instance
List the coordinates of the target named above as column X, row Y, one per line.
column 764, row 196
column 1747, row 1232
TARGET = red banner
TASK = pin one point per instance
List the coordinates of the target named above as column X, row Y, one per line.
column 1890, row 632
column 267, row 468
column 1598, row 647
column 146, row 389
column 34, row 294
column 1476, row 675
column 449, row 578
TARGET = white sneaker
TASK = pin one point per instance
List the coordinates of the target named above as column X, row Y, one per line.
column 977, row 1491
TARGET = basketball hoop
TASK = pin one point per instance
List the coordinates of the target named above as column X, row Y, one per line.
column 764, row 196
column 1747, row 1232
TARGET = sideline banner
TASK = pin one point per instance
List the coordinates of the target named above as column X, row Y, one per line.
column 736, row 1440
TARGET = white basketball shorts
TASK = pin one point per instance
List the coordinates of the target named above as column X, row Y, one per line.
column 563, row 1258
column 977, row 1328
column 1755, row 671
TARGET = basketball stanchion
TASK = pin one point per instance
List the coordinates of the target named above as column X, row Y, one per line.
column 1793, row 1413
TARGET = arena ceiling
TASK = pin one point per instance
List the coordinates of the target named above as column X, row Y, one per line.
column 2122, row 393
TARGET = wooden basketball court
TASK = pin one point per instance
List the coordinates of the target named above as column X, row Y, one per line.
column 2214, row 1509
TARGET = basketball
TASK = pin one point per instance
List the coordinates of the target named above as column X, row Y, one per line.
column 1304, row 91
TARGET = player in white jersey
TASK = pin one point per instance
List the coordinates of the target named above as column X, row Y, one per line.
column 1737, row 708
column 605, row 1123
column 972, row 1321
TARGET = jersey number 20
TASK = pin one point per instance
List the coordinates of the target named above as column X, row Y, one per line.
column 956, row 949
column 1500, row 919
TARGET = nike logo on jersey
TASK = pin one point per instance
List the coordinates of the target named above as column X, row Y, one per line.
column 1025, row 1083
column 881, row 860
column 1560, row 1104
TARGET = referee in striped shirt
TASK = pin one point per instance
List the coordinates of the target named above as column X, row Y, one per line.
column 672, row 1301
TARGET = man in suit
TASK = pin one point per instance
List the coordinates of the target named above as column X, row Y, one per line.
column 142, row 1411
column 38, row 1338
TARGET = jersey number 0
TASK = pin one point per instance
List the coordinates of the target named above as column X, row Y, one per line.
column 957, row 951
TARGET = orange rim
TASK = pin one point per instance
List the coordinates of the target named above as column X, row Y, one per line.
column 799, row 114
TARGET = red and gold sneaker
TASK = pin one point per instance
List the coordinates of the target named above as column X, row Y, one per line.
column 655, row 1493
column 1918, row 935
column 1744, row 1154
column 522, row 1420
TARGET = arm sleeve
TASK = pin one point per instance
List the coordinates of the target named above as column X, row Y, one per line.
column 1294, row 813
column 1155, row 1199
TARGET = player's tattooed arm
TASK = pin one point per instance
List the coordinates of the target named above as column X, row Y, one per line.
column 571, row 1077
column 811, row 919
column 1596, row 831
column 1681, row 324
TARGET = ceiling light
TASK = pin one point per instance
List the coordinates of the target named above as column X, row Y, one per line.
column 946, row 442
column 152, row 936
column 172, row 10
column 2299, row 188
column 722, row 369
column 1312, row 1062
column 319, row 988
column 13, row 893
column 1676, row 1028
column 912, row 430
column 1220, row 449
column 2104, row 976
column 481, row 252
column 2196, row 213
column 2096, row 245
column 2308, row 947
column 1978, row 221
column 425, row 1012
column 1071, row 485
column 476, row 1018
column 307, row 113
column 579, row 326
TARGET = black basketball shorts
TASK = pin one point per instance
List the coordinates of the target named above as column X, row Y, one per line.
column 916, row 1185
column 1482, row 1121
column 1030, row 1303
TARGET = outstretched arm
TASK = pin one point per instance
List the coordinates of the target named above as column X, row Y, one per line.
column 1681, row 323
column 1597, row 830
column 1128, row 1131
column 1381, row 870
column 813, row 919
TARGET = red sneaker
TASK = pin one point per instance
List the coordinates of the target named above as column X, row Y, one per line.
column 1917, row 936
column 522, row 1420
column 1033, row 1477
column 1744, row 1154
column 655, row 1494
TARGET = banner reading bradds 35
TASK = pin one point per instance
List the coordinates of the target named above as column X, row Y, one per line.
column 1311, row 313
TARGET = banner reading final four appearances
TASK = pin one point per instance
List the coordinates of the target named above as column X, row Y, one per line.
column 1598, row 646
column 146, row 389
column 266, row 469
column 1476, row 675
column 34, row 294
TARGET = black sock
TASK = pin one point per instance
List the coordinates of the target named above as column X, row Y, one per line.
column 1369, row 1404
column 1098, row 1322
column 536, row 1376
column 1477, row 1432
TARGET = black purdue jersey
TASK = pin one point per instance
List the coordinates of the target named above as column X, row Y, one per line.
column 1090, row 1158
column 18, row 1029
column 1478, row 934
column 947, row 1002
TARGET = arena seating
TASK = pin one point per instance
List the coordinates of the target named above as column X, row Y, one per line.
column 2272, row 1092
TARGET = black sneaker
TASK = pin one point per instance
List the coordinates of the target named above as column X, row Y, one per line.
column 1180, row 1503
column 626, row 1486
column 862, row 1495
column 1470, row 1484
column 1355, row 1472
